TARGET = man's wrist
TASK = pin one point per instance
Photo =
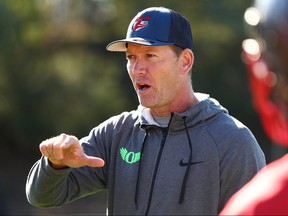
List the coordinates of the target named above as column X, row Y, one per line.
column 56, row 166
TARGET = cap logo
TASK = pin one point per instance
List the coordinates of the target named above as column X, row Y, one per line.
column 141, row 23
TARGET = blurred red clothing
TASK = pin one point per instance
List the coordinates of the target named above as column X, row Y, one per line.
column 265, row 194
column 272, row 117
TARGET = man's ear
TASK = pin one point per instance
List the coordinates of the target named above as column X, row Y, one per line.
column 186, row 60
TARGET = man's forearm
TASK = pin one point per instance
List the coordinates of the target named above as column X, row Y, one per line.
column 45, row 186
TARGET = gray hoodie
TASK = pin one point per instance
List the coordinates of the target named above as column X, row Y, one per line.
column 191, row 167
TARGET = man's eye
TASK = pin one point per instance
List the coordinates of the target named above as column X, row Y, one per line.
column 151, row 55
column 130, row 57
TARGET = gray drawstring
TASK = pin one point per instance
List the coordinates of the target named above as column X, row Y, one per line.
column 182, row 193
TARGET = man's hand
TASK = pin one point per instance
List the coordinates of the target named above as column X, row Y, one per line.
column 66, row 151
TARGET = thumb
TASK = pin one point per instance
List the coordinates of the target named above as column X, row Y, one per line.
column 94, row 161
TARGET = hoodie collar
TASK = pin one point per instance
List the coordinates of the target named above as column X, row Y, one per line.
column 201, row 112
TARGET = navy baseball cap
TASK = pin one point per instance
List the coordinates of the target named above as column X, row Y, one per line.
column 156, row 26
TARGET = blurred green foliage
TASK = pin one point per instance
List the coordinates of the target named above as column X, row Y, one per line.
column 56, row 76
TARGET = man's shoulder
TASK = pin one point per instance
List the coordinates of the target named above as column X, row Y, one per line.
column 122, row 120
column 227, row 129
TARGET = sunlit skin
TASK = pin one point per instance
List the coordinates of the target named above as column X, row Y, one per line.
column 161, row 78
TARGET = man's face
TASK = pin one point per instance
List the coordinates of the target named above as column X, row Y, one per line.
column 154, row 71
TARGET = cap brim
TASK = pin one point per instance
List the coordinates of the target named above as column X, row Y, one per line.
column 121, row 45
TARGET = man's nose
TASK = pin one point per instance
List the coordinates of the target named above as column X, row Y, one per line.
column 138, row 67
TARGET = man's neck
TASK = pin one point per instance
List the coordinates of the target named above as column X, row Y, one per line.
column 179, row 107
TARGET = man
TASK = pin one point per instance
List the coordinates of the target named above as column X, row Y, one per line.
column 179, row 153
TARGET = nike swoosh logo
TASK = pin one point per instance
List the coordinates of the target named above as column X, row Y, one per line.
column 182, row 163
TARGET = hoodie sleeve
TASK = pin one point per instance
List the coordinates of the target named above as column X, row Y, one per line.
column 45, row 186
column 48, row 187
column 240, row 159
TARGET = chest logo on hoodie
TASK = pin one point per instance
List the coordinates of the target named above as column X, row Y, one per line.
column 129, row 157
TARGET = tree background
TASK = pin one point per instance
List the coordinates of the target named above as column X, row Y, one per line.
column 56, row 76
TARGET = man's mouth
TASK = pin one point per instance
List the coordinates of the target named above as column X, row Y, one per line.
column 142, row 87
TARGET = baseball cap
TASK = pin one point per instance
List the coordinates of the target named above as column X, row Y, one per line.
column 156, row 26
